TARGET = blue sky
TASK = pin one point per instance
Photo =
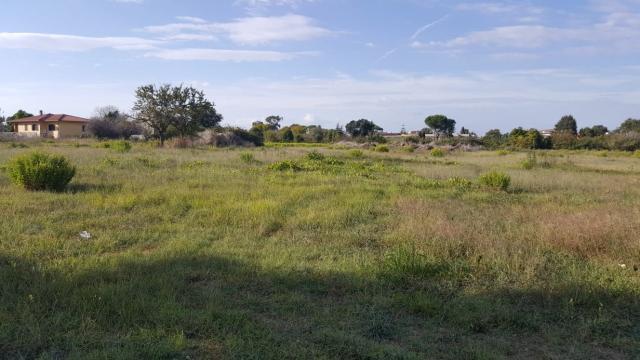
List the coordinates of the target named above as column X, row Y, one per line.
column 487, row 64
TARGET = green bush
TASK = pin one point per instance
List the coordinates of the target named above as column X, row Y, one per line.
column 356, row 153
column 495, row 180
column 286, row 165
column 247, row 157
column 121, row 146
column 409, row 149
column 38, row 171
column 503, row 152
column 315, row 156
column 459, row 182
column 381, row 148
column 437, row 152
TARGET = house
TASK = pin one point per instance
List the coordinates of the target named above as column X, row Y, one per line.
column 55, row 126
column 547, row 133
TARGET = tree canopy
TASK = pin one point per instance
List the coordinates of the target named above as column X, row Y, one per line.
column 567, row 124
column 362, row 128
column 20, row 114
column 597, row 130
column 630, row 125
column 441, row 125
column 273, row 122
column 174, row 109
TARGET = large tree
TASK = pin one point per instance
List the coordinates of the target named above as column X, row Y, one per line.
column 184, row 110
column 441, row 125
column 567, row 124
column 362, row 128
column 630, row 125
column 595, row 131
column 20, row 114
column 273, row 122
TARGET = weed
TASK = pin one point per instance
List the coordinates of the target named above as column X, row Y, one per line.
column 356, row 153
column 495, row 180
column 247, row 157
column 381, row 148
column 437, row 152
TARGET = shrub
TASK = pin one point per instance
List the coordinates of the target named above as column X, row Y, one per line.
column 121, row 146
column 38, row 171
column 315, row 156
column 356, row 153
column 530, row 162
column 459, row 182
column 437, row 152
column 381, row 148
column 503, row 152
column 286, row 165
column 247, row 157
column 495, row 180
column 409, row 149
column 637, row 154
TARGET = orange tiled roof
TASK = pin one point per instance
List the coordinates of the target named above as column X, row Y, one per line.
column 50, row 118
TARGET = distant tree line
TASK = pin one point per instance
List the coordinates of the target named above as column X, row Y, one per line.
column 566, row 135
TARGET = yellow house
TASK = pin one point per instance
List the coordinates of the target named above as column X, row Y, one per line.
column 55, row 126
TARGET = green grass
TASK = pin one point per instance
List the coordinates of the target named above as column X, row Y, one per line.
column 204, row 253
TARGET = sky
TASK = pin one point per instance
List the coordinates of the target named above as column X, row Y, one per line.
column 486, row 64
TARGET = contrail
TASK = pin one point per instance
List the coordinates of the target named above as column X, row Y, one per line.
column 426, row 27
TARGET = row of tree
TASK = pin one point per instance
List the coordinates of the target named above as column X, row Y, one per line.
column 169, row 111
column 566, row 135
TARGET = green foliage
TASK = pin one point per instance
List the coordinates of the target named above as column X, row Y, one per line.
column 437, row 152
column 526, row 139
column 247, row 157
column 356, row 153
column 630, row 125
column 636, row 154
column 494, row 139
column 315, row 156
column 460, row 182
column 503, row 152
column 20, row 114
column 121, row 146
column 178, row 110
column 595, row 131
column 381, row 148
column 441, row 125
column 495, row 180
column 39, row 171
column 117, row 145
column 362, row 128
column 567, row 124
column 535, row 161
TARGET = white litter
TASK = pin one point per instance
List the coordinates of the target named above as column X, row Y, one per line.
column 85, row 235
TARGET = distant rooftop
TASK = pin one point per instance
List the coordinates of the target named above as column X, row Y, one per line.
column 50, row 118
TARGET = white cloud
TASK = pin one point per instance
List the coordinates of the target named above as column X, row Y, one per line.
column 221, row 55
column 616, row 32
column 500, row 8
column 60, row 42
column 256, row 30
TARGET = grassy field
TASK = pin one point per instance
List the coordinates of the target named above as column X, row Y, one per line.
column 272, row 254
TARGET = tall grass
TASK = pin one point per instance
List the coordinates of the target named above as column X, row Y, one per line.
column 196, row 254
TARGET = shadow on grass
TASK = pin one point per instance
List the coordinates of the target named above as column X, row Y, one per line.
column 205, row 306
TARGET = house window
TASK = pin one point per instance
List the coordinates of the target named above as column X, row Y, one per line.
column 84, row 128
column 26, row 128
column 34, row 127
column 52, row 127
